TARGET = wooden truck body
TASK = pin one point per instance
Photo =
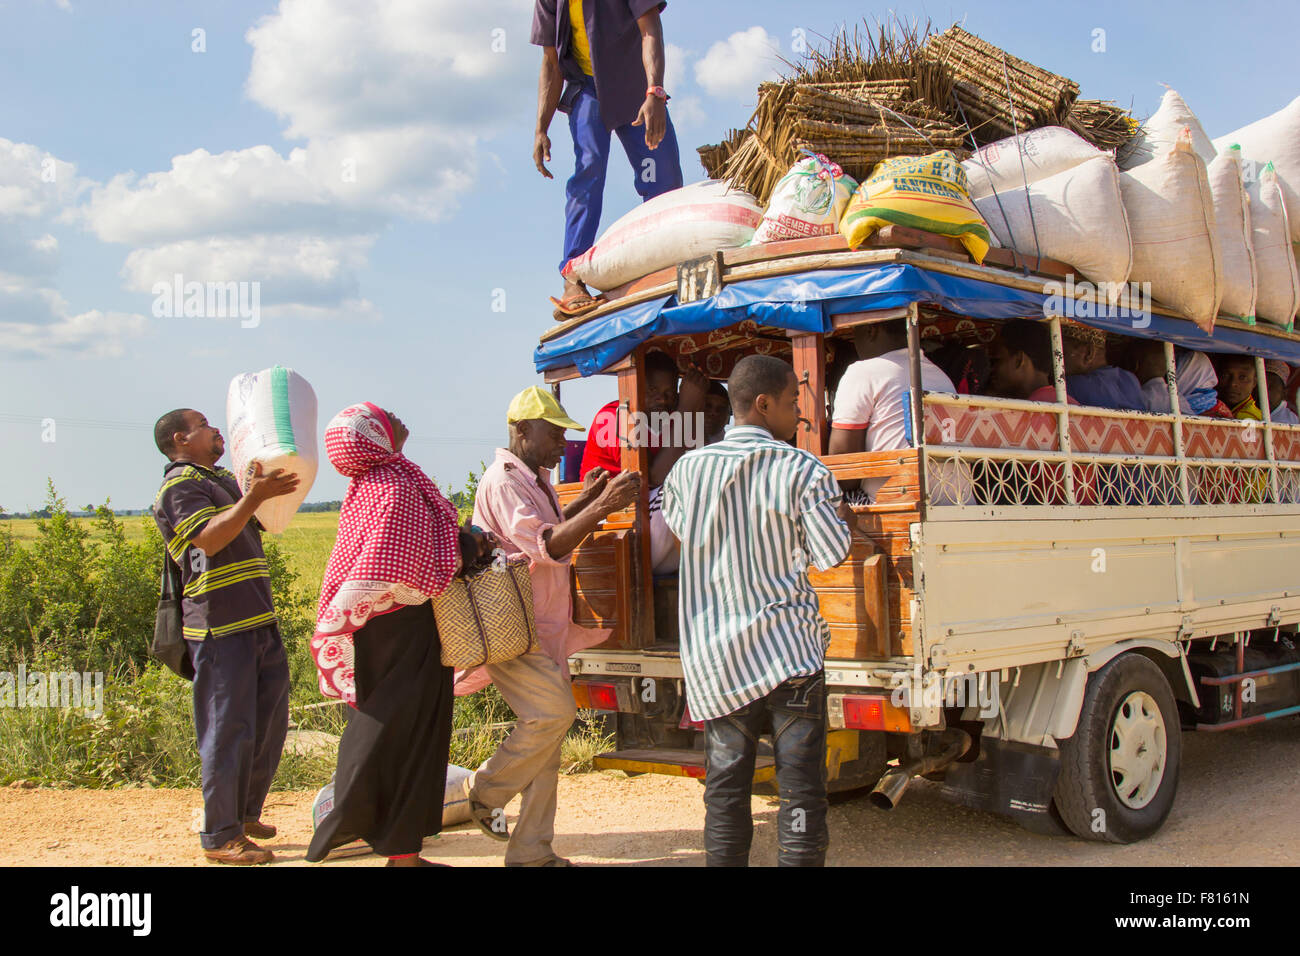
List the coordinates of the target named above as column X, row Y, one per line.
column 1040, row 597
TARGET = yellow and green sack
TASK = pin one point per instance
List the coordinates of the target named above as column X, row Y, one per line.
column 920, row 192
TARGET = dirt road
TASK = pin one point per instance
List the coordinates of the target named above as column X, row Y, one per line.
column 1238, row 803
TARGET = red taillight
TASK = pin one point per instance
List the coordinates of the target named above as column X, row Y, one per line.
column 874, row 713
column 589, row 695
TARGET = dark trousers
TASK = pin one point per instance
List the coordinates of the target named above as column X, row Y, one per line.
column 241, row 714
column 795, row 714
column 655, row 171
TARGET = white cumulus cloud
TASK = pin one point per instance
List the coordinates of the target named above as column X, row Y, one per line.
column 735, row 66
column 37, row 191
column 390, row 100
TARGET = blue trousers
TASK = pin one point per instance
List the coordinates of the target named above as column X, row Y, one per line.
column 655, row 171
column 241, row 714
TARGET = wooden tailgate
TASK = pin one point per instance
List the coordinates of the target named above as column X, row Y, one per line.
column 605, row 576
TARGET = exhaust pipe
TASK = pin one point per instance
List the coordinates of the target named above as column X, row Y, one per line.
column 890, row 788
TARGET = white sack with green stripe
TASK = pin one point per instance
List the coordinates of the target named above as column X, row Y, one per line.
column 271, row 420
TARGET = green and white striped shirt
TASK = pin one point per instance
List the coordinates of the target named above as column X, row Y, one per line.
column 752, row 514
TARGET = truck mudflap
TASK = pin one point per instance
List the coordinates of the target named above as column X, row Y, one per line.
column 1014, row 779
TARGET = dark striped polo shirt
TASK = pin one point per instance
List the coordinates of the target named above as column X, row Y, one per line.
column 229, row 591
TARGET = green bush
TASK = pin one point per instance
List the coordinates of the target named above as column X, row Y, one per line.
column 82, row 596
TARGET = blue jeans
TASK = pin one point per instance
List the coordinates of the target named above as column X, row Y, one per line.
column 241, row 714
column 654, row 171
column 795, row 713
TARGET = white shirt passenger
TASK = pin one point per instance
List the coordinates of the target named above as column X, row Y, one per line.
column 874, row 395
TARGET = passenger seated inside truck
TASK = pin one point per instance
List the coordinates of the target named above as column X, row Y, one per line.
column 870, row 412
column 1276, row 375
column 1197, row 380
column 662, row 396
column 1021, row 356
column 717, row 413
column 1237, row 386
column 1021, row 359
column 1089, row 377
column 965, row 364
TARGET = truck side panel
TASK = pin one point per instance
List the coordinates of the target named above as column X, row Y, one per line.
column 999, row 593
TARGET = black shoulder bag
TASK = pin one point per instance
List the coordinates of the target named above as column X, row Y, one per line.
column 168, row 630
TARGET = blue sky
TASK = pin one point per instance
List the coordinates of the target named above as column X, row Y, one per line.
column 224, row 164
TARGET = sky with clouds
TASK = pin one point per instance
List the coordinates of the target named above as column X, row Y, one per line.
column 369, row 166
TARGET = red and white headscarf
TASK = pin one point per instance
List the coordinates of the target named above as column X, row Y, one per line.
column 397, row 541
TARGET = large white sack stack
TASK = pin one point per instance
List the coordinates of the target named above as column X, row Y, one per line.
column 680, row 224
column 271, row 419
column 1279, row 291
column 1274, row 139
column 1012, row 162
column 1171, row 219
column 1159, row 133
column 1078, row 218
column 1232, row 221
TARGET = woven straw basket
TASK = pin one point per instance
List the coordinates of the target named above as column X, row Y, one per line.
column 486, row 618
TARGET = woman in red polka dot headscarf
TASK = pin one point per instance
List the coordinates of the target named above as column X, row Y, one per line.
column 376, row 643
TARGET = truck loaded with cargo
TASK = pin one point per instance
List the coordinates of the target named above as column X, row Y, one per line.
column 1042, row 594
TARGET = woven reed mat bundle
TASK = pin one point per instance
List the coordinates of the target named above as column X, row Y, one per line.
column 858, row 131
column 999, row 94
column 865, row 99
column 900, row 89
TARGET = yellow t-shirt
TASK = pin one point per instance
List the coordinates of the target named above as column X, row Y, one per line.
column 581, row 46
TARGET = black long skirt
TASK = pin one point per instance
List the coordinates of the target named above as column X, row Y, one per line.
column 392, row 770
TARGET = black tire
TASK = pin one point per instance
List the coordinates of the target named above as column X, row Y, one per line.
column 1085, row 785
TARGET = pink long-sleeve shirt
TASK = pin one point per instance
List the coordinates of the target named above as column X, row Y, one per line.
column 519, row 506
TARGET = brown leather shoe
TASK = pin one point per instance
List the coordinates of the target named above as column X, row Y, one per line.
column 258, row 829
column 240, row 851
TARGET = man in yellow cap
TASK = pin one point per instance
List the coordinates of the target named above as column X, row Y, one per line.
column 515, row 501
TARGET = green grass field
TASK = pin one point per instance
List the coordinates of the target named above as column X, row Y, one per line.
column 307, row 542
column 148, row 736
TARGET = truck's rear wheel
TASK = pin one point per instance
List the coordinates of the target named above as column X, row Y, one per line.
column 1119, row 772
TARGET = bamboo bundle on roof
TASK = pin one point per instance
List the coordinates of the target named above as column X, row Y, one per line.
column 1102, row 123
column 713, row 158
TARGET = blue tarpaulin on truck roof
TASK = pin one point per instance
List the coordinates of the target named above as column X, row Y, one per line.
column 806, row 301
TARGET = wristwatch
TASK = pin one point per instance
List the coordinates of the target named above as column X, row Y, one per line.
column 658, row 91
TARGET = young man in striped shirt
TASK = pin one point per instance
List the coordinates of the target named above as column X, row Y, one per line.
column 752, row 513
column 241, row 674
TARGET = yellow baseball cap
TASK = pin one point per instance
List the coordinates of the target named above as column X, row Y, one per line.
column 537, row 402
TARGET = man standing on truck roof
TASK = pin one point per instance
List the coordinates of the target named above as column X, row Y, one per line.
column 515, row 501
column 753, row 512
column 603, row 64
